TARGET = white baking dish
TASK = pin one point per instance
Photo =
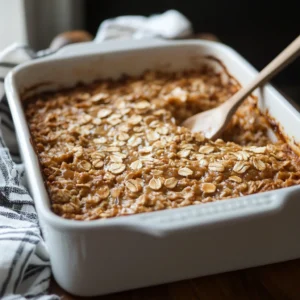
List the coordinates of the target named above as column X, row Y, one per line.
column 105, row 256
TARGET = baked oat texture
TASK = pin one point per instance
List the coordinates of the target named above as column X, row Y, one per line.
column 116, row 148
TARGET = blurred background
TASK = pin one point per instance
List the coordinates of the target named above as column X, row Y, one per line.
column 257, row 29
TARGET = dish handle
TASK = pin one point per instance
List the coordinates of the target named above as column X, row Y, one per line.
column 75, row 49
column 65, row 42
column 218, row 213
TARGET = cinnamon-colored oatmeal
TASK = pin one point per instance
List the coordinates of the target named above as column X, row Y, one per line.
column 116, row 148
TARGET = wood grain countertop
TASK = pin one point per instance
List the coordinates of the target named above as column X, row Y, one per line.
column 276, row 281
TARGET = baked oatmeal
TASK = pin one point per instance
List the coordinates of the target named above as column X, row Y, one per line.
column 115, row 148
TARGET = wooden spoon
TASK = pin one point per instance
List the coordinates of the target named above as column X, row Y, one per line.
column 213, row 122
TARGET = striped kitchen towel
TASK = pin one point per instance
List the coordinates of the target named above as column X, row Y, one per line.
column 24, row 261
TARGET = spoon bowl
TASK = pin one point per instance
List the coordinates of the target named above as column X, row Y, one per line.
column 210, row 122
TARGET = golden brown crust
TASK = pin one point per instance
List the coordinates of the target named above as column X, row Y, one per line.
column 115, row 148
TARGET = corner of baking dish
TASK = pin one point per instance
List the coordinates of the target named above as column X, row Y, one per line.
column 155, row 223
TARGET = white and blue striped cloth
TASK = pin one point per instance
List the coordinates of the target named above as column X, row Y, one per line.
column 24, row 261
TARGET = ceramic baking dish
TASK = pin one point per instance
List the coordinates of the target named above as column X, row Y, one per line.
column 106, row 256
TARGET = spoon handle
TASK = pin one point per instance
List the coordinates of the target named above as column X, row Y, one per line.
column 281, row 61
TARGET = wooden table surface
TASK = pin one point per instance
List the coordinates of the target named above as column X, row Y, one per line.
column 277, row 281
